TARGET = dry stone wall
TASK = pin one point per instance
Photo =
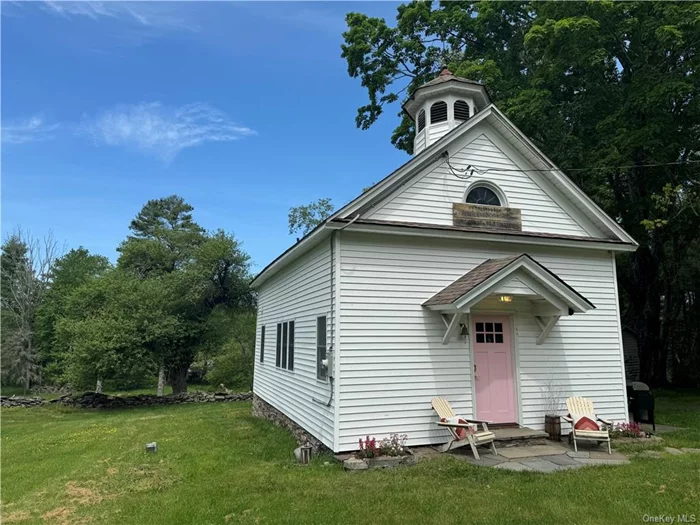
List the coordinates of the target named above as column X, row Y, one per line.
column 95, row 400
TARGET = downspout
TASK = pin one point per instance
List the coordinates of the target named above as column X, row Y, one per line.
column 331, row 378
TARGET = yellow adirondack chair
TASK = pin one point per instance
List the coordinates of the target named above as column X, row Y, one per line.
column 483, row 437
column 582, row 406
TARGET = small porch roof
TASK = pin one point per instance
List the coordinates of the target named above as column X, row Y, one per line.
column 490, row 275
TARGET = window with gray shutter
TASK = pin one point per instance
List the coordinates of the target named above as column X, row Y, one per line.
column 290, row 345
column 285, row 345
column 278, row 358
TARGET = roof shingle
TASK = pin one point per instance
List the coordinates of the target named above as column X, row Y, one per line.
column 470, row 280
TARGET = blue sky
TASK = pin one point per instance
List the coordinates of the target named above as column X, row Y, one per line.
column 243, row 109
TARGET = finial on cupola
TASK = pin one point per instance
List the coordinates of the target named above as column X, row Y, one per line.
column 445, row 71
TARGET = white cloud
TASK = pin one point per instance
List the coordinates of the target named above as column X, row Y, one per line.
column 153, row 14
column 33, row 129
column 162, row 131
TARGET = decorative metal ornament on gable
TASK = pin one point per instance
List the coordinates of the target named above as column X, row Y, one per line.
column 487, row 217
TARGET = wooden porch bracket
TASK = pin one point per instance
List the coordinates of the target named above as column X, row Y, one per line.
column 452, row 326
column 546, row 327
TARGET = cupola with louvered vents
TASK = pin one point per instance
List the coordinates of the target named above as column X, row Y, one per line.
column 440, row 105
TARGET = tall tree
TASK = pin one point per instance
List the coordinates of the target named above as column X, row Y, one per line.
column 163, row 237
column 305, row 218
column 204, row 272
column 609, row 90
column 68, row 273
column 25, row 273
column 113, row 324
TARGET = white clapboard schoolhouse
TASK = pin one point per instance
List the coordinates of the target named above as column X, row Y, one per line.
column 477, row 272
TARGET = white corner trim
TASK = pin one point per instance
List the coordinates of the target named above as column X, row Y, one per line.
column 337, row 320
column 619, row 334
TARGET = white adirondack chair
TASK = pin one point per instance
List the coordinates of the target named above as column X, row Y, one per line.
column 582, row 406
column 483, row 437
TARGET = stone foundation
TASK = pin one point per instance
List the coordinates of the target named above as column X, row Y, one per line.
column 95, row 400
column 381, row 462
column 265, row 410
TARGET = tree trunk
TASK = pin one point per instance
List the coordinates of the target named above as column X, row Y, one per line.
column 161, row 380
column 98, row 387
column 178, row 378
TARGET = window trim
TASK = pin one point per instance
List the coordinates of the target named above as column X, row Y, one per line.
column 321, row 374
column 284, row 351
column 481, row 183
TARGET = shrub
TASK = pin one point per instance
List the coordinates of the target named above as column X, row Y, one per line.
column 394, row 445
column 233, row 367
column 628, row 430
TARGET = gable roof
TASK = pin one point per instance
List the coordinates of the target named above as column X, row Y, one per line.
column 469, row 281
column 435, row 152
column 521, row 143
column 492, row 273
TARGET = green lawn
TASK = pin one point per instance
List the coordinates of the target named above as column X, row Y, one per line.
column 217, row 464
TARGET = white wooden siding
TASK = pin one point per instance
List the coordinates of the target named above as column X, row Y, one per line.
column 419, row 142
column 300, row 292
column 429, row 198
column 392, row 361
column 515, row 287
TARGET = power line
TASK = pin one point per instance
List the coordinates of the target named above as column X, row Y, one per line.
column 622, row 167
column 459, row 172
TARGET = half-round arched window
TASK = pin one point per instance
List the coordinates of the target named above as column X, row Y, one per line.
column 438, row 112
column 461, row 110
column 421, row 120
column 483, row 195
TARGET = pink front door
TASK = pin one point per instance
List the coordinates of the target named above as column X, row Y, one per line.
column 493, row 369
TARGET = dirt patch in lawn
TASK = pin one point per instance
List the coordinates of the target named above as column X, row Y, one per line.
column 82, row 495
column 60, row 515
column 16, row 517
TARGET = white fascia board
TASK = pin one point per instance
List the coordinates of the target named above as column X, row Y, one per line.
column 433, row 152
column 425, row 158
column 292, row 253
column 555, row 173
column 544, row 284
column 411, row 231
column 571, row 298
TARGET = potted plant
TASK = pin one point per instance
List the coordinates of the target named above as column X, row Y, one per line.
column 552, row 395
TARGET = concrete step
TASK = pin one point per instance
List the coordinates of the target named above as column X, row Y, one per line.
column 519, row 437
